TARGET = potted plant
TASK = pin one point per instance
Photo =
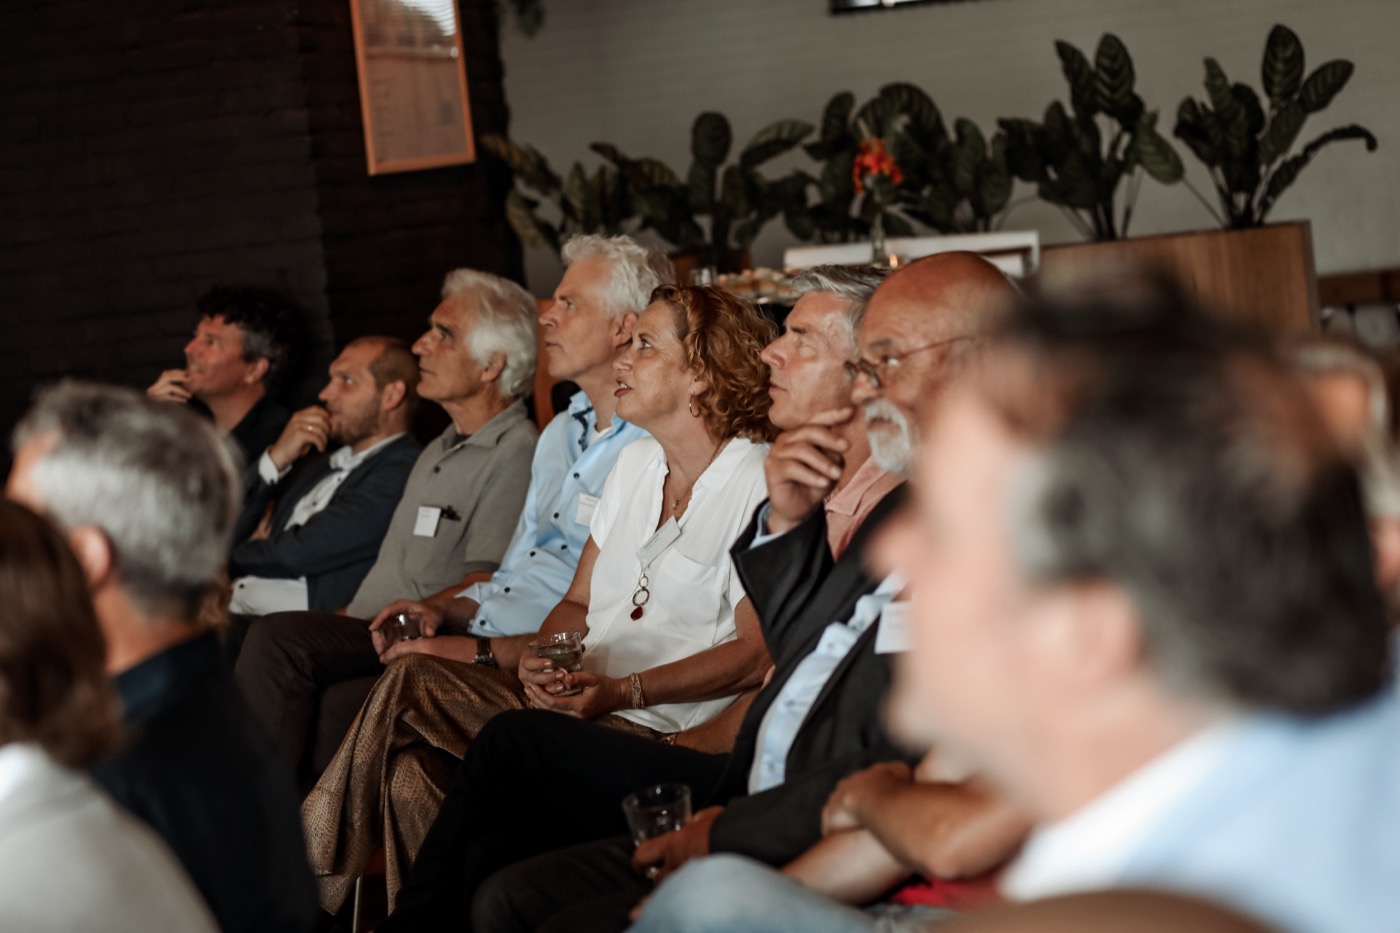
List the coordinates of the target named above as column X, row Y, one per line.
column 580, row 202
column 1246, row 150
column 1079, row 158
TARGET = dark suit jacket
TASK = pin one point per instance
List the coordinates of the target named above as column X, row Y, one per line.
column 337, row 546
column 798, row 590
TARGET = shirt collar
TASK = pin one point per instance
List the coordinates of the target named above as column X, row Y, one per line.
column 156, row 682
column 346, row 459
column 1089, row 848
column 848, row 499
column 717, row 474
column 488, row 433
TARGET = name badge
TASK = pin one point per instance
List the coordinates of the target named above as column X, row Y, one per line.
column 427, row 524
column 664, row 537
column 587, row 505
column 892, row 636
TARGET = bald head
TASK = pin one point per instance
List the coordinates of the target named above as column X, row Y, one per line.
column 916, row 335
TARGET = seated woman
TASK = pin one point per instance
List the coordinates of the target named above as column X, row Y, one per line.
column 71, row 860
column 669, row 634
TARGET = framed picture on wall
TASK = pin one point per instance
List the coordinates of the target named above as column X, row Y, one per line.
column 413, row 84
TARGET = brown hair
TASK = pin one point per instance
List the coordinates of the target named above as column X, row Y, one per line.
column 53, row 686
column 723, row 336
column 395, row 362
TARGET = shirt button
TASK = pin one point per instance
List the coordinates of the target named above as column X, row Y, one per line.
column 556, row 514
column 575, row 476
column 437, row 469
column 532, row 553
column 507, row 590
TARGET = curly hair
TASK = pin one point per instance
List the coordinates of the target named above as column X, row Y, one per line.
column 723, row 336
column 54, row 688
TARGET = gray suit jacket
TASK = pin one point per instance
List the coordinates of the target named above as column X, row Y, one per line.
column 337, row 546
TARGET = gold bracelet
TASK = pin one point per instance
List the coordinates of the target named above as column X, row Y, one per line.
column 639, row 699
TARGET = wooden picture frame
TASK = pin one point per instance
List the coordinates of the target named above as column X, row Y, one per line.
column 413, row 84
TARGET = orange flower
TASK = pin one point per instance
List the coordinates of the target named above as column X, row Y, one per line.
column 873, row 162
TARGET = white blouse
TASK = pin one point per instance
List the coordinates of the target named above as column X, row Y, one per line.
column 694, row 587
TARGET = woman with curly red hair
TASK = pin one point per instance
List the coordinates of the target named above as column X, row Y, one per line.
column 669, row 635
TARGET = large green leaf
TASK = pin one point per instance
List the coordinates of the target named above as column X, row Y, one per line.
column 533, row 232
column 1282, row 70
column 1191, row 128
column 774, row 139
column 836, row 183
column 525, row 162
column 611, row 153
column 911, row 100
column 836, row 117
column 896, row 225
column 1283, row 129
column 873, row 118
column 1253, row 112
column 993, row 181
column 1057, row 140
column 1156, row 156
column 651, row 173
column 1113, row 77
column 1023, row 155
column 700, row 187
column 1324, row 84
column 710, row 138
column 735, row 189
column 800, row 223
column 1222, row 99
column 968, row 153
column 576, row 192
column 1080, row 75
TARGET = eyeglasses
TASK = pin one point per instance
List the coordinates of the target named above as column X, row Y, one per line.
column 879, row 373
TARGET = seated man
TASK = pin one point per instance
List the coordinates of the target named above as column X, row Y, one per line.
column 147, row 494
column 319, row 530
column 238, row 355
column 409, row 738
column 1143, row 603
column 463, row 496
column 815, row 722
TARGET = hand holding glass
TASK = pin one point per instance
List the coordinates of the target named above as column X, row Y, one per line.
column 656, row 810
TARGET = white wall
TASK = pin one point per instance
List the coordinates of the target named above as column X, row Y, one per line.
column 636, row 72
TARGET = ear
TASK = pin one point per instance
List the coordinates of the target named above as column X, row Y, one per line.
column 1092, row 635
column 94, row 553
column 392, row 395
column 622, row 329
column 257, row 370
column 493, row 370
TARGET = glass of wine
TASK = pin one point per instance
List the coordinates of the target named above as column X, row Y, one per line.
column 564, row 649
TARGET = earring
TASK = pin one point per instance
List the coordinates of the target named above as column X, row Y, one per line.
column 690, row 406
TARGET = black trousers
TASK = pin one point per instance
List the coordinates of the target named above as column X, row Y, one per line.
column 293, row 668
column 534, row 781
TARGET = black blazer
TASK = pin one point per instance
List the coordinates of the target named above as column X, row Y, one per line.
column 798, row 590
column 336, row 547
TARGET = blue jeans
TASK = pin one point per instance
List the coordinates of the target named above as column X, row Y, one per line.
column 733, row 894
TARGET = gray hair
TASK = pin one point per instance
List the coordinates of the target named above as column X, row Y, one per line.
column 505, row 324
column 157, row 479
column 853, row 283
column 1327, row 356
column 636, row 270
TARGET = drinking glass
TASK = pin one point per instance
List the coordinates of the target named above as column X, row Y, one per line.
column 402, row 626
column 656, row 810
column 565, row 649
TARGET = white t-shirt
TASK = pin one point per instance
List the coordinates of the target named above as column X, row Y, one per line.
column 694, row 587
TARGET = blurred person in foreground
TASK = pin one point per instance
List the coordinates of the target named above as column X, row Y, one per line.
column 1144, row 605
column 147, row 495
column 69, row 859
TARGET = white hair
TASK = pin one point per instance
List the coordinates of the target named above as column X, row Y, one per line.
column 636, row 270
column 157, row 479
column 504, row 324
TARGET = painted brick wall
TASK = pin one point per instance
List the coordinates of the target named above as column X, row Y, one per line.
column 155, row 147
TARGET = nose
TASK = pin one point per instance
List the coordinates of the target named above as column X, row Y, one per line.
column 772, row 354
column 192, row 347
column 623, row 364
column 549, row 317
column 420, row 346
column 325, row 395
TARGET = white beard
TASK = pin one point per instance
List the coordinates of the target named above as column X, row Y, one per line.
column 893, row 451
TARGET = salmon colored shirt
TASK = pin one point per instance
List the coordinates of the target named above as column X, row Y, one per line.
column 847, row 507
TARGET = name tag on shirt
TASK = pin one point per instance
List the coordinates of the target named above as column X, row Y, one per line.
column 587, row 505
column 892, row 637
column 427, row 524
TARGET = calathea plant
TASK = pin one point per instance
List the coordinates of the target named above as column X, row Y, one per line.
column 1247, row 150
column 1078, row 159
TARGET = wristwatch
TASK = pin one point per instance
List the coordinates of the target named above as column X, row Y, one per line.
column 484, row 657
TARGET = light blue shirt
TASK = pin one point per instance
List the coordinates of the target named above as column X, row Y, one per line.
column 567, row 476
column 790, row 708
